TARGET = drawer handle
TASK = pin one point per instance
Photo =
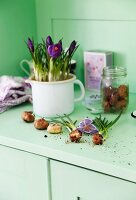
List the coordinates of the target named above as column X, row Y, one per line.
column 78, row 198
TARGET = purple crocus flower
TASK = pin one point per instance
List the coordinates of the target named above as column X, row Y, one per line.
column 86, row 126
column 48, row 41
column 72, row 47
column 55, row 50
column 30, row 45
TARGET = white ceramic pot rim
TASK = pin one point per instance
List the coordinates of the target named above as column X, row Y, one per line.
column 72, row 78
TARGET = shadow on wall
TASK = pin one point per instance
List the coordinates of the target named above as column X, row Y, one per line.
column 17, row 23
column 119, row 59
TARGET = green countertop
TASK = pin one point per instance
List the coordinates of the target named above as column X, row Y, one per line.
column 116, row 157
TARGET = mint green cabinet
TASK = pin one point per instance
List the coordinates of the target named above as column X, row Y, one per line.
column 23, row 176
column 74, row 183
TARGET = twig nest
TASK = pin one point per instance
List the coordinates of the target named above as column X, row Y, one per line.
column 41, row 124
column 28, row 116
column 54, row 128
column 75, row 136
column 97, row 139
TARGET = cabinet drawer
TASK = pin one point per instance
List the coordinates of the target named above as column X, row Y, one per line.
column 23, row 176
column 74, row 183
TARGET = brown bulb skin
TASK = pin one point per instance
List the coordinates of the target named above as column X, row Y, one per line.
column 97, row 139
column 28, row 116
column 41, row 124
column 75, row 136
column 54, row 128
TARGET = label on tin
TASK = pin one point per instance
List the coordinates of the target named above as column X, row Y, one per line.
column 94, row 64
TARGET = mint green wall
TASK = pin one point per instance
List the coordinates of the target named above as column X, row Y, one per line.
column 95, row 24
column 17, row 22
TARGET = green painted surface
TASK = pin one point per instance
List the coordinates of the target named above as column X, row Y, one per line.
column 115, row 157
column 17, row 23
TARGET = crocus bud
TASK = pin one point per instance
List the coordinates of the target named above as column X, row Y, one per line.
column 72, row 47
column 30, row 45
column 60, row 42
column 48, row 41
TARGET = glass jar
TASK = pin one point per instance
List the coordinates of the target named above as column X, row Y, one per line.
column 114, row 89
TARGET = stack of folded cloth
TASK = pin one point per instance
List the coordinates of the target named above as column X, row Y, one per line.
column 13, row 91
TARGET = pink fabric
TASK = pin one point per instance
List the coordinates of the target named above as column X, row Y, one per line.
column 13, row 91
